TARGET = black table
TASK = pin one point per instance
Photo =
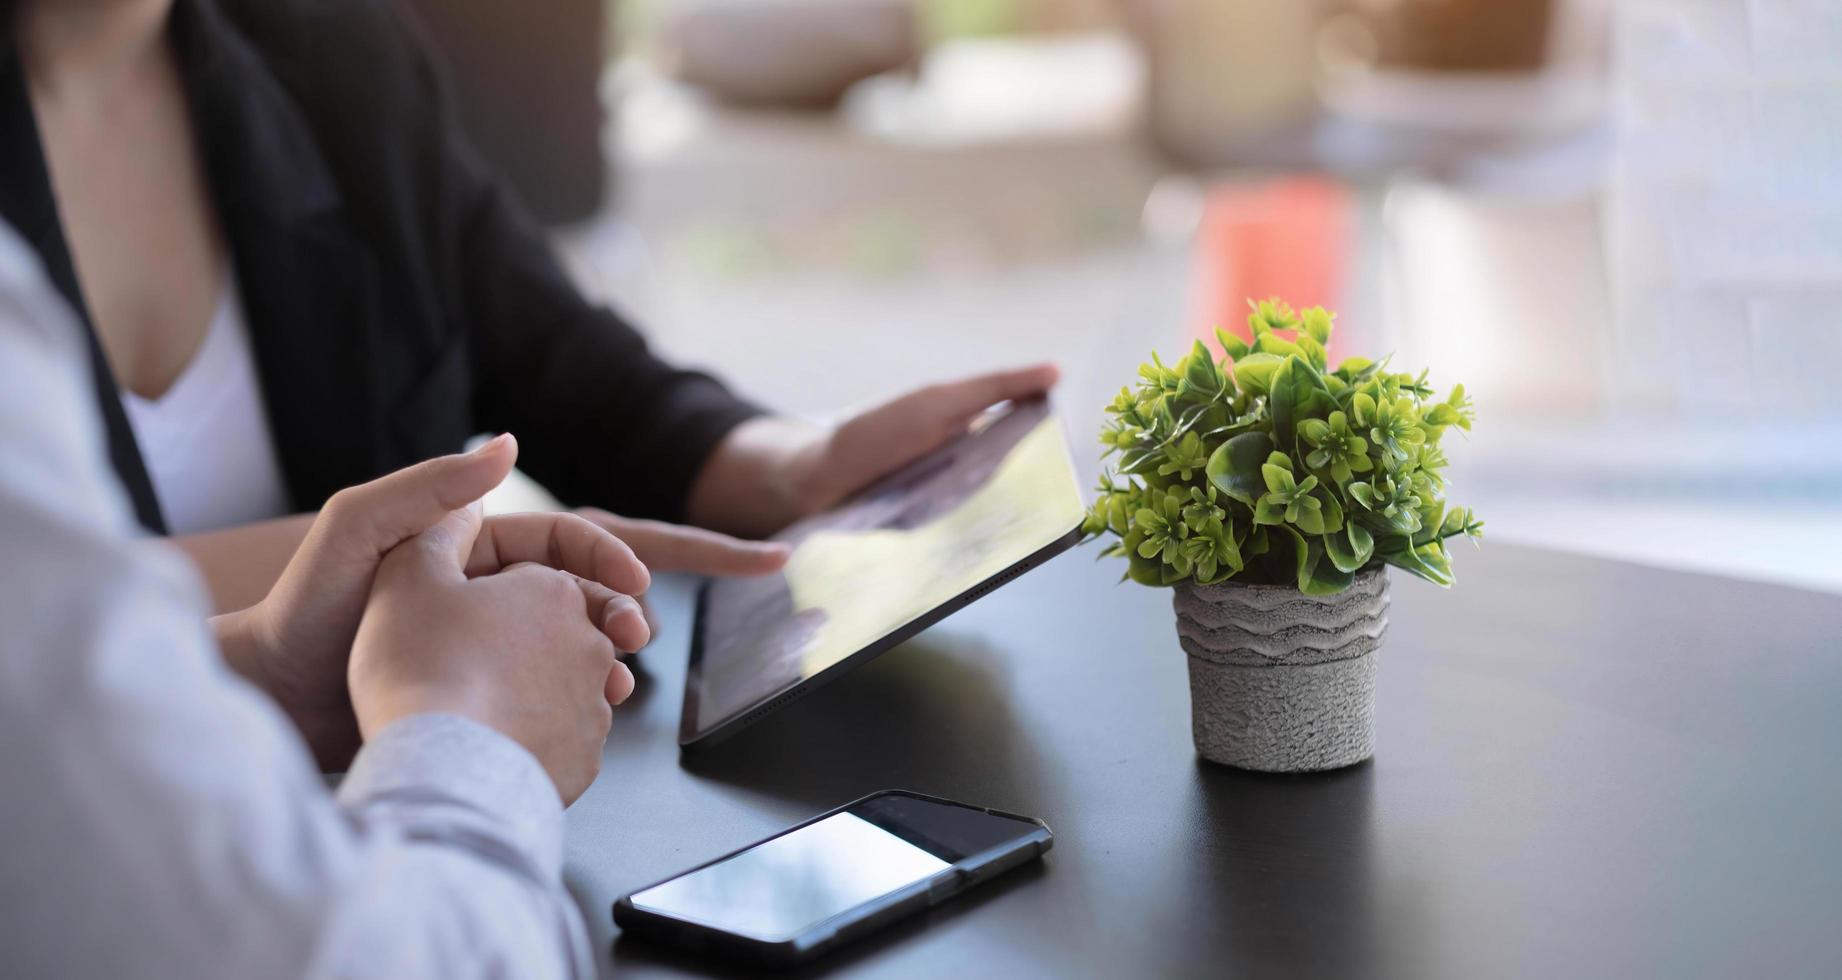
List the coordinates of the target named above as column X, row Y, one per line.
column 1585, row 768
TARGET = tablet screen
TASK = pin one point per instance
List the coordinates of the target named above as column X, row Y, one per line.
column 884, row 561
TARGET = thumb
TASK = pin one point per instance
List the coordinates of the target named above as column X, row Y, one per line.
column 372, row 518
column 440, row 552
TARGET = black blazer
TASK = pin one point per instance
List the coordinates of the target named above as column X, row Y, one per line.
column 397, row 299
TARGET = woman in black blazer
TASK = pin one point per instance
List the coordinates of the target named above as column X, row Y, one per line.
column 156, row 152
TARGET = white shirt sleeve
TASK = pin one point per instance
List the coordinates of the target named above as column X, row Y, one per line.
column 158, row 816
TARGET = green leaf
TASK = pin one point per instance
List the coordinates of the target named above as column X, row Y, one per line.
column 1361, row 540
column 1311, row 394
column 1404, row 520
column 1282, row 405
column 1363, row 408
column 1313, row 352
column 1316, row 576
column 1327, row 579
column 1268, row 343
column 1144, row 571
column 1278, row 478
column 1349, row 549
column 1234, row 467
column 1432, row 517
column 1259, row 542
column 1355, row 370
column 1428, row 561
column 1269, row 511
column 1200, row 374
column 1254, row 372
column 1316, row 323
column 1333, row 511
column 1235, row 347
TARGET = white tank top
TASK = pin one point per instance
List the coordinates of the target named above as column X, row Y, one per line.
column 206, row 441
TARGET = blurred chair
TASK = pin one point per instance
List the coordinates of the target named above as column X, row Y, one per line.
column 793, row 53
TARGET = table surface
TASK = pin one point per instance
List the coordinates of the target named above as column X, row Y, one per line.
column 1584, row 768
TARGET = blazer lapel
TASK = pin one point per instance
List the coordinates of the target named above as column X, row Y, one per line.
column 308, row 284
column 28, row 204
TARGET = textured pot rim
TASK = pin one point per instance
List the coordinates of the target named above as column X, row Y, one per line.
column 1296, row 624
column 1365, row 573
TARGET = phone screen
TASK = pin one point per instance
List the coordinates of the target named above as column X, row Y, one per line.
column 786, row 885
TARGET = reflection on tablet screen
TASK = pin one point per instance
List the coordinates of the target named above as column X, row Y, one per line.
column 896, row 552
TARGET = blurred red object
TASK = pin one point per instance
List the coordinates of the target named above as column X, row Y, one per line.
column 1288, row 238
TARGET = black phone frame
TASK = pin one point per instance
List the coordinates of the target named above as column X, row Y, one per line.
column 850, row 924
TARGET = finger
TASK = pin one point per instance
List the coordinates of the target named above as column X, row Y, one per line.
column 624, row 628
column 367, row 520
column 677, row 548
column 895, row 434
column 928, row 417
column 561, row 541
column 438, row 553
column 975, row 394
column 959, row 401
column 618, row 616
column 619, row 686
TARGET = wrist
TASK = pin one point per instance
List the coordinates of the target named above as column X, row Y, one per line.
column 247, row 645
column 766, row 474
column 252, row 647
column 804, row 483
column 378, row 706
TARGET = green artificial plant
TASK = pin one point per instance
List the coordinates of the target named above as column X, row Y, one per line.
column 1268, row 467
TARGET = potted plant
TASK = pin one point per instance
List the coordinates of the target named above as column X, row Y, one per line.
column 1272, row 493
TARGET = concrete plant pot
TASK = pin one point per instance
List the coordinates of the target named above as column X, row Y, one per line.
column 1281, row 681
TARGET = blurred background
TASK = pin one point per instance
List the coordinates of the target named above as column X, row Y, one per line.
column 1618, row 222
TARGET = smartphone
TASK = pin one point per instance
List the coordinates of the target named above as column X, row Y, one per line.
column 842, row 874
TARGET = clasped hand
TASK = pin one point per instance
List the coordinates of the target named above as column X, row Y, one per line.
column 404, row 600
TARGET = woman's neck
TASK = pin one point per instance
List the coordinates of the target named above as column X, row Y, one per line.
column 87, row 47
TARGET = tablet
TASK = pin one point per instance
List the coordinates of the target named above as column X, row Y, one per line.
column 881, row 567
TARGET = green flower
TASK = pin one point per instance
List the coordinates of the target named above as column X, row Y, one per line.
column 1272, row 314
column 1202, row 509
column 1112, row 509
column 1186, row 456
column 1162, row 523
column 1212, row 552
column 1431, row 462
column 1287, row 501
column 1335, row 447
column 1455, row 410
column 1120, row 434
column 1396, row 505
column 1394, row 425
